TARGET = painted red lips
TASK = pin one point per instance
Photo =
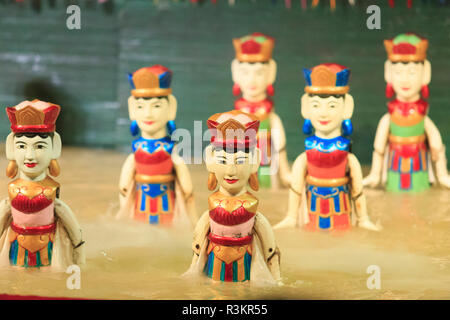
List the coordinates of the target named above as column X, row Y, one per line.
column 231, row 180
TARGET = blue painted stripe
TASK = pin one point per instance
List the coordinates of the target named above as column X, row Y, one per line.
column 38, row 259
column 50, row 251
column 13, row 253
column 153, row 219
column 235, row 271
column 337, row 203
column 211, row 264
column 324, row 223
column 222, row 272
column 165, row 202
column 313, row 202
column 143, row 198
column 25, row 260
column 247, row 265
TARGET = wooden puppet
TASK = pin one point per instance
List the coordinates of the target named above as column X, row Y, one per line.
column 155, row 184
column 254, row 71
column 326, row 185
column 37, row 228
column 406, row 137
column 233, row 241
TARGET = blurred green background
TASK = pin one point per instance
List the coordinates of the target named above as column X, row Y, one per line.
column 85, row 71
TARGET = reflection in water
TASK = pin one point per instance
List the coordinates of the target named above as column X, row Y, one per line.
column 130, row 260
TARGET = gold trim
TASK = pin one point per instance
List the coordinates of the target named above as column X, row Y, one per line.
column 407, row 140
column 151, row 92
column 326, row 90
column 327, row 182
column 160, row 178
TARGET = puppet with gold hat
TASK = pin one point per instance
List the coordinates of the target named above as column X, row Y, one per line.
column 37, row 228
column 326, row 188
column 155, row 184
column 406, row 138
column 254, row 71
column 233, row 241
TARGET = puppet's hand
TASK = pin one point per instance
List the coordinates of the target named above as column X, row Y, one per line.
column 369, row 225
column 372, row 180
column 287, row 222
column 445, row 181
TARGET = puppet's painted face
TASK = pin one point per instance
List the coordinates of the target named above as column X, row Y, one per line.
column 151, row 114
column 407, row 78
column 253, row 78
column 326, row 114
column 33, row 154
column 233, row 170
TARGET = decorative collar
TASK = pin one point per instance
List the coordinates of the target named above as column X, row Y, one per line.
column 407, row 108
column 260, row 109
column 151, row 145
column 327, row 145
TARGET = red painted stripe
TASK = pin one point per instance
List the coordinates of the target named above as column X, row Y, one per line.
column 345, row 202
column 324, row 206
column 416, row 162
column 31, row 259
column 405, row 180
column 396, row 161
column 33, row 230
column 154, row 205
column 229, row 272
column 229, row 241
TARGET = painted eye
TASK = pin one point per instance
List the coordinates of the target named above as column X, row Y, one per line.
column 332, row 106
column 139, row 107
column 315, row 105
column 221, row 161
column 157, row 105
column 21, row 146
column 240, row 161
column 40, row 146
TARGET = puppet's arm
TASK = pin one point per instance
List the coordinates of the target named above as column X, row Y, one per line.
column 185, row 181
column 200, row 232
column 379, row 145
column 295, row 193
column 126, row 176
column 437, row 149
column 270, row 249
column 279, row 134
column 5, row 214
column 73, row 229
column 357, row 194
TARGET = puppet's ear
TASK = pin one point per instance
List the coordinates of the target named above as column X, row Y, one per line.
column 349, row 106
column 57, row 146
column 304, row 106
column 235, row 65
column 132, row 105
column 426, row 73
column 272, row 71
column 388, row 66
column 10, row 146
column 172, row 107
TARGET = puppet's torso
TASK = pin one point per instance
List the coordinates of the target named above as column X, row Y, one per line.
column 155, row 196
column 327, row 180
column 408, row 150
column 33, row 226
column 230, row 239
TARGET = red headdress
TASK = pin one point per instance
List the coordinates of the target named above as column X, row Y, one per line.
column 233, row 129
column 33, row 116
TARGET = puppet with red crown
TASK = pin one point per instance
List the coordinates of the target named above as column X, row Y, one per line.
column 155, row 184
column 407, row 142
column 233, row 242
column 37, row 228
column 326, row 188
column 254, row 73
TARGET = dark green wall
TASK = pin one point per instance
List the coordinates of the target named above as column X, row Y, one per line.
column 85, row 71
